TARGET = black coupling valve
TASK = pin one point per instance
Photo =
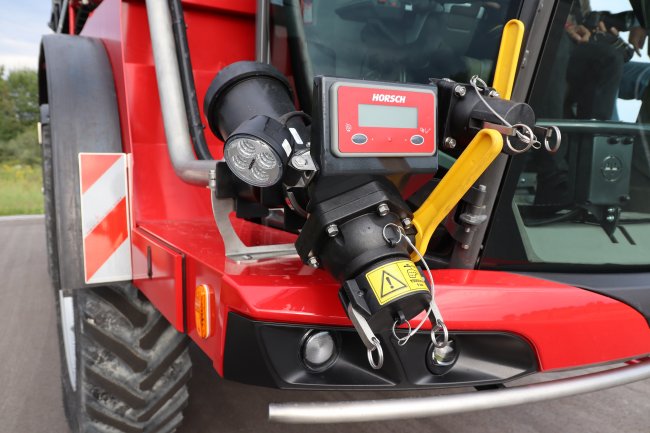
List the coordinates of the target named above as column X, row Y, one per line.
column 347, row 235
column 465, row 109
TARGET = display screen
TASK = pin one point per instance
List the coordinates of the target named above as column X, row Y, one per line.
column 387, row 116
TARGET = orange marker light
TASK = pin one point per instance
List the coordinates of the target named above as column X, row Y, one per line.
column 203, row 305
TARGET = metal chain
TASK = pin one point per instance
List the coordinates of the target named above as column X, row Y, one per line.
column 437, row 323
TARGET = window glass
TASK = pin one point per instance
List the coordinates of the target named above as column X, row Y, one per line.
column 588, row 205
column 398, row 40
column 389, row 40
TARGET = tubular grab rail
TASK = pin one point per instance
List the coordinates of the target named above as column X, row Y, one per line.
column 422, row 407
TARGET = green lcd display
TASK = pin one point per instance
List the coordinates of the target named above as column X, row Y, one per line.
column 387, row 116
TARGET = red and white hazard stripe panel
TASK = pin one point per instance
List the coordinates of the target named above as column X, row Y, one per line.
column 105, row 217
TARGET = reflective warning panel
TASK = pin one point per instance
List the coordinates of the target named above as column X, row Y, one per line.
column 105, row 217
column 396, row 279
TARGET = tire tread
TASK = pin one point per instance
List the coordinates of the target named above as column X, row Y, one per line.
column 136, row 365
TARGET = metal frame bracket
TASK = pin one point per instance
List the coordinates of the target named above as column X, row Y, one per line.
column 235, row 249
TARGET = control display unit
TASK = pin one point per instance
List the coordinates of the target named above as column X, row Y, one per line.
column 382, row 120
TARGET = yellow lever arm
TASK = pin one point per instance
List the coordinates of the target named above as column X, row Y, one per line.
column 480, row 153
column 506, row 69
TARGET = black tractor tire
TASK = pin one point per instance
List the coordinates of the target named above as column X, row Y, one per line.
column 124, row 368
column 48, row 198
column 83, row 116
column 131, row 366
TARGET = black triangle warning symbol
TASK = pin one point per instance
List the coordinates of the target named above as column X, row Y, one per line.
column 390, row 284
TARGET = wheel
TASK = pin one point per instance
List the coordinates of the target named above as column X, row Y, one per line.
column 48, row 198
column 73, row 100
column 124, row 368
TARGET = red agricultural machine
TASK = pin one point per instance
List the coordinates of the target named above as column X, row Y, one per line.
column 364, row 210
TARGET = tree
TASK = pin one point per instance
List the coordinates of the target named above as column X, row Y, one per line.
column 23, row 91
column 22, row 149
column 19, row 114
column 8, row 121
column 18, row 102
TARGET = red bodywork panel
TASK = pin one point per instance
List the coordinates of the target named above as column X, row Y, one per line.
column 567, row 327
column 162, row 281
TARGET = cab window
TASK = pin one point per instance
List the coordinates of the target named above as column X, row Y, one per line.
column 587, row 206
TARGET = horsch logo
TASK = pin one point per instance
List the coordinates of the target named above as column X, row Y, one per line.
column 384, row 97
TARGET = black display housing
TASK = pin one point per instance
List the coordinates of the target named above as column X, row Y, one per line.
column 332, row 165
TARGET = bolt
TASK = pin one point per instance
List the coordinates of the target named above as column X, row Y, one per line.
column 610, row 218
column 450, row 143
column 299, row 161
column 460, row 91
column 465, row 246
column 406, row 222
column 383, row 209
column 443, row 355
column 493, row 94
column 313, row 262
column 247, row 257
column 611, row 210
column 332, row 230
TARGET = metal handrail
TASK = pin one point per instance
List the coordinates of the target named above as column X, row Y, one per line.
column 170, row 91
column 421, row 407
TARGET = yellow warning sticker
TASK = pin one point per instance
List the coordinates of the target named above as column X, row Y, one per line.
column 396, row 279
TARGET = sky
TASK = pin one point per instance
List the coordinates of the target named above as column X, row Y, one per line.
column 22, row 24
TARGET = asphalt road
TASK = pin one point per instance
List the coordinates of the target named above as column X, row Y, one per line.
column 30, row 398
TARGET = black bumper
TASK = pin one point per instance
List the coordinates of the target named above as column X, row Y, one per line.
column 269, row 354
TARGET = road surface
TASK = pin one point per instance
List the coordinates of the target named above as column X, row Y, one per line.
column 30, row 398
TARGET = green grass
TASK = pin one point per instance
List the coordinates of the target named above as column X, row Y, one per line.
column 20, row 189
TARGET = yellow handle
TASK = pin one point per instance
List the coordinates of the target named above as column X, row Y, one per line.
column 504, row 74
column 480, row 153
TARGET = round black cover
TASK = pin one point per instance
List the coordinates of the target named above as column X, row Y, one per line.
column 243, row 90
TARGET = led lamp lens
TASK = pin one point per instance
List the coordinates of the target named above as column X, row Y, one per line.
column 267, row 161
column 240, row 162
column 253, row 161
column 246, row 147
column 260, row 174
column 319, row 351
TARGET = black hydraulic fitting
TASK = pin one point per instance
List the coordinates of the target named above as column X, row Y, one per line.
column 354, row 232
column 360, row 207
column 462, row 114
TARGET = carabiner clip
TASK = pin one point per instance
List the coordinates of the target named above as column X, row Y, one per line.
column 380, row 354
column 438, row 325
column 368, row 337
